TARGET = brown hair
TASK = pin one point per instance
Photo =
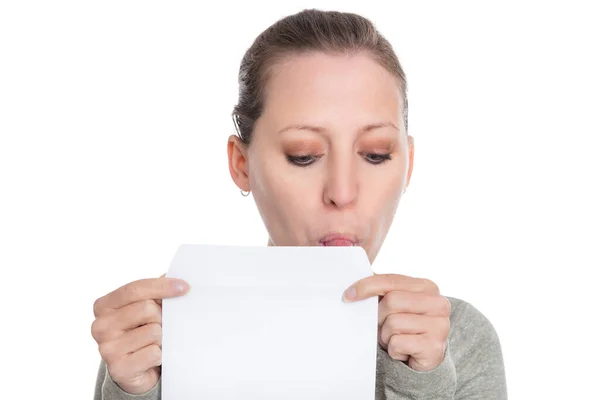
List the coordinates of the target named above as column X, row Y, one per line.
column 331, row 32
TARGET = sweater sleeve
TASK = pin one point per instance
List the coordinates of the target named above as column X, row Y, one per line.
column 472, row 368
column 397, row 381
column 480, row 362
column 108, row 389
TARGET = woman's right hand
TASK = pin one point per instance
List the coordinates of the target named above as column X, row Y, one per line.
column 128, row 330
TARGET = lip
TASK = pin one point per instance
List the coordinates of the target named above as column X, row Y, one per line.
column 338, row 239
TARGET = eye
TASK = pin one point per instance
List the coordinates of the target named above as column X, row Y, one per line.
column 302, row 161
column 375, row 158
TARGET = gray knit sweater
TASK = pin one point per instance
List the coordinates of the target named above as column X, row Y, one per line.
column 473, row 367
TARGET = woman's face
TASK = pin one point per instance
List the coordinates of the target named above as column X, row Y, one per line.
column 330, row 157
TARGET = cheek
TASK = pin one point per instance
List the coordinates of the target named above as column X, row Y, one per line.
column 271, row 183
column 280, row 198
column 383, row 198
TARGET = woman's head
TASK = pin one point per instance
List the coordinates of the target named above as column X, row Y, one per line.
column 322, row 131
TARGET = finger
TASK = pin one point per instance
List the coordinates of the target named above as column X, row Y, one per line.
column 110, row 326
column 143, row 289
column 402, row 345
column 379, row 285
column 399, row 356
column 131, row 342
column 412, row 324
column 415, row 303
column 135, row 363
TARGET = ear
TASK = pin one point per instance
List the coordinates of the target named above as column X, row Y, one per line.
column 237, row 152
column 411, row 157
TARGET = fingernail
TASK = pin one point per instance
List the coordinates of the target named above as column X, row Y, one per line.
column 180, row 286
column 350, row 293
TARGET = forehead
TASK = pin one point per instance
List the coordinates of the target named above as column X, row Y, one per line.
column 317, row 86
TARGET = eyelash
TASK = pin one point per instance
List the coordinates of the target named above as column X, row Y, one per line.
column 305, row 161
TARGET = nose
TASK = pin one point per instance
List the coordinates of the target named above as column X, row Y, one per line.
column 341, row 186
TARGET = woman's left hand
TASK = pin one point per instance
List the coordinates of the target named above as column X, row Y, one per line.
column 414, row 319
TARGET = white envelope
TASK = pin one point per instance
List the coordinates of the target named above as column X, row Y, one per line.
column 268, row 323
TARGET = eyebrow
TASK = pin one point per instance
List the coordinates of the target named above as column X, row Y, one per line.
column 320, row 129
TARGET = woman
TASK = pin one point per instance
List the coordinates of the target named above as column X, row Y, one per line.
column 322, row 143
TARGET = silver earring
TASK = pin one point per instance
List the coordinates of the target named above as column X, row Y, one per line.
column 404, row 191
column 245, row 194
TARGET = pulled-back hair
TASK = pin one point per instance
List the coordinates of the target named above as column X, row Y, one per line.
column 312, row 30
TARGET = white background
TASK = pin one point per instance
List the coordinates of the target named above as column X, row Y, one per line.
column 114, row 118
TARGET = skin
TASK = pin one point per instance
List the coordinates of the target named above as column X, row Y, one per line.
column 128, row 330
column 340, row 190
column 342, row 171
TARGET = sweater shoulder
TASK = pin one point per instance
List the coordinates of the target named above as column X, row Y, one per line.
column 470, row 329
